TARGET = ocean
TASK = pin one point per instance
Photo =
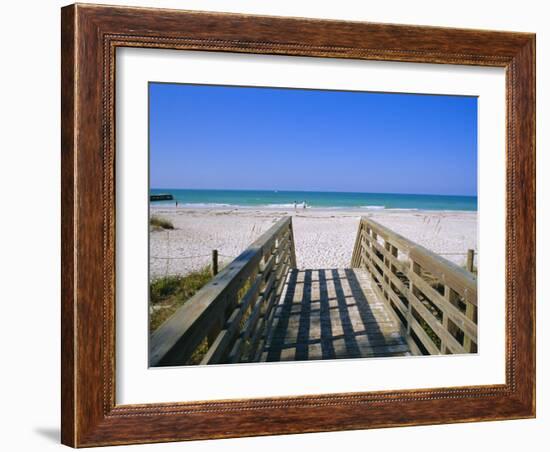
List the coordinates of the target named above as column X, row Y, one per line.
column 314, row 199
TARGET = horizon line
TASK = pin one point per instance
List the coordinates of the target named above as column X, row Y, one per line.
column 310, row 191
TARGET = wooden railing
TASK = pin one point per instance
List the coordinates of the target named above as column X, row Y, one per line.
column 434, row 299
column 228, row 320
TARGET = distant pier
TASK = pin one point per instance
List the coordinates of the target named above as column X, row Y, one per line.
column 161, row 197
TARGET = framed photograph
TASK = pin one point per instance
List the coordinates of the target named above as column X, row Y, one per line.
column 281, row 225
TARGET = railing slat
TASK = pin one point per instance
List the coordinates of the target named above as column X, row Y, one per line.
column 434, row 324
column 217, row 350
column 395, row 298
column 396, row 281
column 462, row 282
column 454, row 314
column 402, row 266
column 424, row 338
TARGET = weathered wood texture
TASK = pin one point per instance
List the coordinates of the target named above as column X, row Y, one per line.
column 258, row 309
column 331, row 314
column 228, row 317
column 69, row 333
column 90, row 36
column 434, row 299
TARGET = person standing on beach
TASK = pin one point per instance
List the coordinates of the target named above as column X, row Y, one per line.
column 295, row 206
column 176, row 204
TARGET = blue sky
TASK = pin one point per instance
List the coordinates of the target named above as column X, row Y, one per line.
column 290, row 139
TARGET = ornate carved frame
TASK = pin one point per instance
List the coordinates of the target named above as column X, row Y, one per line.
column 90, row 35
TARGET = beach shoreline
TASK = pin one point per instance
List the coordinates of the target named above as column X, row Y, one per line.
column 285, row 199
column 324, row 237
column 289, row 208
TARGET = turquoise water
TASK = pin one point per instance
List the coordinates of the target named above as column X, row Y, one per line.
column 313, row 199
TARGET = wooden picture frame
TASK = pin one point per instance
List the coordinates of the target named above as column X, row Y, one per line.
column 90, row 36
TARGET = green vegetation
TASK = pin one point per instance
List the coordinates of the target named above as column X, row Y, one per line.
column 158, row 223
column 166, row 294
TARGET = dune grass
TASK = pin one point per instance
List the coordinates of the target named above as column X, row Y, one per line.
column 159, row 223
column 168, row 293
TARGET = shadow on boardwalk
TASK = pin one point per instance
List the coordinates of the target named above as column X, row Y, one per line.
column 331, row 314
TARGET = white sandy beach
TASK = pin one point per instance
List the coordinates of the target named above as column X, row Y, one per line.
column 324, row 238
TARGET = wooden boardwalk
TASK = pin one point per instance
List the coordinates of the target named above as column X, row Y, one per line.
column 331, row 314
column 396, row 299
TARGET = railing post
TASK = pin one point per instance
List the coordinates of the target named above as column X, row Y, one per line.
column 470, row 313
column 356, row 256
column 387, row 247
column 214, row 262
column 450, row 295
column 415, row 268
column 387, row 263
column 292, row 245
column 470, row 261
column 395, row 253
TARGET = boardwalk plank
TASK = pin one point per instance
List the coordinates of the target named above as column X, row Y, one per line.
column 331, row 314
